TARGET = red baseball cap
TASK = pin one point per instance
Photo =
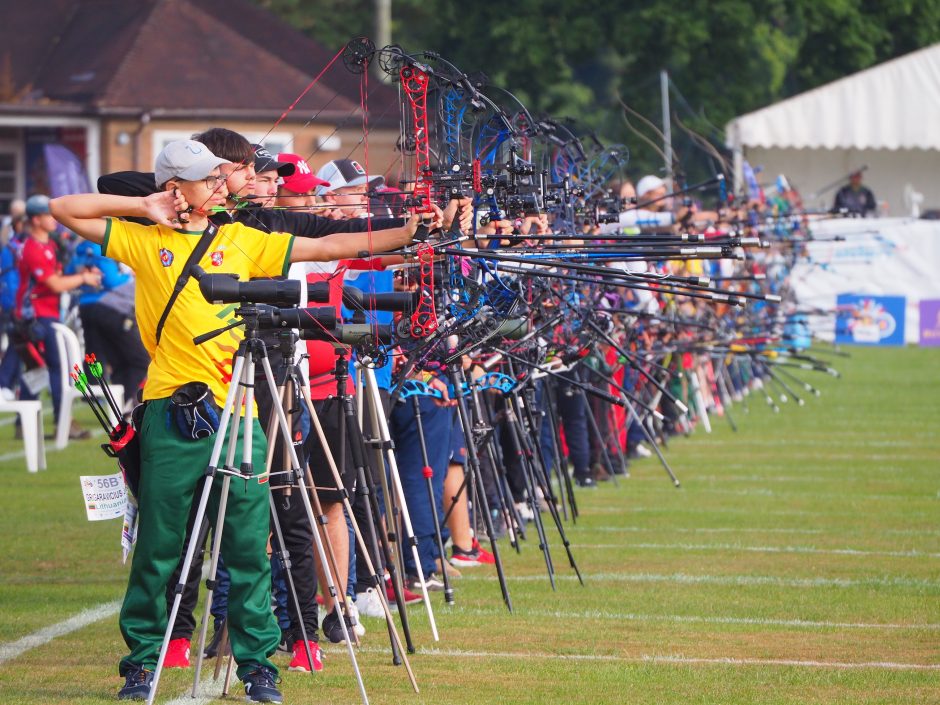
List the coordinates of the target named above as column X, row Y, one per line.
column 303, row 180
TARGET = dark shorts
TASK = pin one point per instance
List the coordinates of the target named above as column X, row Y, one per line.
column 328, row 411
column 458, row 444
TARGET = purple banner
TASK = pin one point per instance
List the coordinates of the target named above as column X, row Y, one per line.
column 930, row 322
column 66, row 172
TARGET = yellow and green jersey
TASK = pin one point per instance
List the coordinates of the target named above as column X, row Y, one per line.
column 157, row 254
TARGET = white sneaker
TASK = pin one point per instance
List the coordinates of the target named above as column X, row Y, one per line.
column 354, row 618
column 642, row 451
column 369, row 604
column 525, row 511
column 7, row 394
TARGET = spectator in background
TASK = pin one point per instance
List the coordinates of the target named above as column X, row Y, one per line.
column 109, row 322
column 37, row 298
column 13, row 224
column 13, row 236
column 854, row 198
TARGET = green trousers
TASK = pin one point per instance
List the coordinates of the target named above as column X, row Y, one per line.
column 172, row 472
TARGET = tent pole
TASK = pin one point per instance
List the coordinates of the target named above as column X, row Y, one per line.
column 667, row 127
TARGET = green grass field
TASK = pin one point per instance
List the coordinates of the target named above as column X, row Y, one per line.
column 798, row 563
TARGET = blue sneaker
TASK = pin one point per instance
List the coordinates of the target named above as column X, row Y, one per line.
column 137, row 683
column 261, row 686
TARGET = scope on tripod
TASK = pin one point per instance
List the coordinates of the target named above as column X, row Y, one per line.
column 227, row 289
column 321, row 323
column 357, row 299
column 315, row 318
column 358, row 334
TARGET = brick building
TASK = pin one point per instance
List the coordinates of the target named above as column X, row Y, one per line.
column 98, row 77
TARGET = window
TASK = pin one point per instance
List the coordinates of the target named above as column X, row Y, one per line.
column 10, row 159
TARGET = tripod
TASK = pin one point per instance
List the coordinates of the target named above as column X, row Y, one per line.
column 380, row 426
column 241, row 392
column 348, row 419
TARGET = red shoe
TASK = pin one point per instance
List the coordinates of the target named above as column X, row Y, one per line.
column 300, row 661
column 409, row 597
column 465, row 559
column 483, row 556
column 177, row 654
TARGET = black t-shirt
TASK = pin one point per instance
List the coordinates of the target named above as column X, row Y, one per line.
column 860, row 202
column 136, row 183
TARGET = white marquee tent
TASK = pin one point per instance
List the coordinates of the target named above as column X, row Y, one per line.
column 886, row 118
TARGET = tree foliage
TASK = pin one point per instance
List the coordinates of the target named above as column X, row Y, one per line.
column 579, row 58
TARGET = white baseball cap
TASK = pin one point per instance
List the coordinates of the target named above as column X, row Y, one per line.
column 648, row 183
column 185, row 159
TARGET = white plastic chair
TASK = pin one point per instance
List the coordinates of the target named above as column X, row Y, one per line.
column 30, row 413
column 71, row 354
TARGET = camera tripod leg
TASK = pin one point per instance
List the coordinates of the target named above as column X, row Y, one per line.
column 224, row 652
column 700, row 400
column 280, row 550
column 234, row 396
column 305, row 497
column 428, row 473
column 229, row 672
column 528, row 474
column 390, row 547
column 543, row 479
column 385, row 436
column 457, row 378
column 357, row 445
column 727, row 401
column 318, row 428
column 515, row 526
column 560, row 461
column 649, row 436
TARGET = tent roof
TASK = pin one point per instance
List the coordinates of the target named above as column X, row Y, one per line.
column 894, row 105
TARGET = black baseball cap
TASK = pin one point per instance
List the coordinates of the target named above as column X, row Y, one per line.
column 346, row 172
column 265, row 161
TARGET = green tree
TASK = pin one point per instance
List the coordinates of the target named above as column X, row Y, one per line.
column 578, row 58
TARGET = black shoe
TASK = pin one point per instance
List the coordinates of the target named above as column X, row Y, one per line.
column 333, row 630
column 137, row 683
column 600, row 472
column 287, row 642
column 212, row 648
column 261, row 686
column 586, row 481
column 431, row 581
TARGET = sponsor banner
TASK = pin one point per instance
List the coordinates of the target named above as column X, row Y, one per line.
column 870, row 320
column 66, row 172
column 930, row 322
column 873, row 256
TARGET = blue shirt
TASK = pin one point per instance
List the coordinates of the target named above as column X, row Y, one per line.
column 374, row 282
column 88, row 254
